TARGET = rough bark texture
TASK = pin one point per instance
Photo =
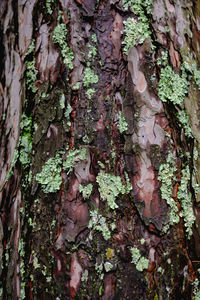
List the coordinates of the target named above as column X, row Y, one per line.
column 71, row 231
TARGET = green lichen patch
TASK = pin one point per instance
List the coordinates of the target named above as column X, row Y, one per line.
column 191, row 67
column 59, row 37
column 136, row 31
column 138, row 6
column 110, row 186
column 49, row 6
column 86, row 190
column 186, row 202
column 90, row 93
column 25, row 142
column 172, row 87
column 73, row 157
column 92, row 51
column 184, row 121
column 122, row 124
column 89, row 77
column 166, row 176
column 31, row 75
column 98, row 222
column 140, row 261
column 50, row 177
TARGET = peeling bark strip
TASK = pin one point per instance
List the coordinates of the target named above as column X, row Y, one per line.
column 100, row 172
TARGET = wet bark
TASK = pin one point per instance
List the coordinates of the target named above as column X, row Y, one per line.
column 64, row 244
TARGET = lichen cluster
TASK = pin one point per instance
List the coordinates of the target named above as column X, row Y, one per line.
column 136, row 29
column 140, row 261
column 59, row 37
column 110, row 186
column 166, row 175
column 184, row 197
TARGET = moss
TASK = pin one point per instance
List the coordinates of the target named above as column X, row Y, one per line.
column 50, row 177
column 110, row 186
column 140, row 261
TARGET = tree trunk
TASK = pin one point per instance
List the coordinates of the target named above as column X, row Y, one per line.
column 100, row 172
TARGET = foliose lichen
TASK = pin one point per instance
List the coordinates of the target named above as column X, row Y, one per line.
column 136, row 30
column 166, row 175
column 122, row 124
column 59, row 37
column 86, row 190
column 98, row 222
column 73, row 157
column 50, row 177
column 172, row 87
column 140, row 261
column 89, row 77
column 110, row 186
column 185, row 198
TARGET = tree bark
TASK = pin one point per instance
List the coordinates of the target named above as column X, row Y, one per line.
column 99, row 177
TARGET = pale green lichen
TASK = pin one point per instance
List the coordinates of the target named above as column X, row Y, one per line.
column 98, row 222
column 184, row 121
column 162, row 60
column 31, row 75
column 89, row 77
column 76, row 86
column 196, row 290
column 59, row 37
column 73, row 157
column 138, row 6
column 122, row 124
column 108, row 266
column 140, row 261
column 110, row 186
column 21, row 251
column 94, row 38
column 136, row 31
column 25, row 141
column 86, row 190
column 49, row 6
column 184, row 197
column 191, row 67
column 92, row 51
column 31, row 48
column 50, row 177
column 166, row 176
column 172, row 87
column 90, row 93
